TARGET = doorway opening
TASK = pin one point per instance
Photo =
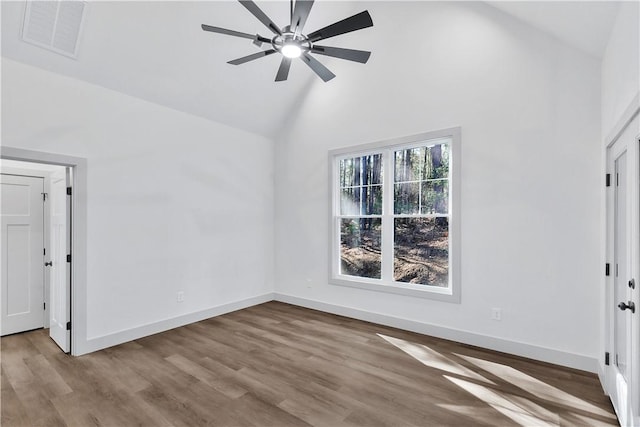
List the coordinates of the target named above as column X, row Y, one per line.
column 75, row 327
column 36, row 212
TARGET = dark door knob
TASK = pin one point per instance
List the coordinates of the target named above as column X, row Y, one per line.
column 629, row 305
column 49, row 264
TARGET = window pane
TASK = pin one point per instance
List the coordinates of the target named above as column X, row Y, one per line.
column 407, row 198
column 350, row 172
column 372, row 200
column 408, row 164
column 344, row 172
column 436, row 162
column 421, row 253
column 435, row 197
column 350, row 201
column 360, row 252
column 372, row 173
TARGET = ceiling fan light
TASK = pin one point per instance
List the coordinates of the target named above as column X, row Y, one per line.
column 291, row 50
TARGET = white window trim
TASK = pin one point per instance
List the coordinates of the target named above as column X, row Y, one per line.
column 449, row 294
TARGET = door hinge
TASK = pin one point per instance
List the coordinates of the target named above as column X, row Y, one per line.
column 68, row 191
column 606, row 358
column 607, row 269
column 68, row 326
column 45, row 306
column 44, row 197
column 608, row 179
column 69, row 258
column 44, row 251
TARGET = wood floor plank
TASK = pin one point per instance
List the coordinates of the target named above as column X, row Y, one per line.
column 262, row 413
column 172, row 408
column 76, row 410
column 12, row 411
column 222, row 384
column 281, row 365
column 50, row 379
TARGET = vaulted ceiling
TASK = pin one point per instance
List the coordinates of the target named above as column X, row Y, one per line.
column 157, row 51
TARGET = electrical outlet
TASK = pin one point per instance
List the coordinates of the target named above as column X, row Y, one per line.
column 180, row 296
column 496, row 314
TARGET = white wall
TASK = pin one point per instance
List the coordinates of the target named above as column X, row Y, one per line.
column 175, row 202
column 529, row 108
column 621, row 66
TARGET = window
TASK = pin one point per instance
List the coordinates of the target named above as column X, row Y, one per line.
column 395, row 215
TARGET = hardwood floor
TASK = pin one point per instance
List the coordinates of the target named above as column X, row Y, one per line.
column 281, row 365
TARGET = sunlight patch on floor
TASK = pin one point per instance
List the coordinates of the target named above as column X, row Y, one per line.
column 433, row 359
column 534, row 386
column 520, row 410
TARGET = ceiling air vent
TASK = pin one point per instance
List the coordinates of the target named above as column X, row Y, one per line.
column 54, row 25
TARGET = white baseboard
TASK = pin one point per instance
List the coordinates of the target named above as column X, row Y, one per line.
column 498, row 344
column 105, row 341
column 557, row 357
column 602, row 377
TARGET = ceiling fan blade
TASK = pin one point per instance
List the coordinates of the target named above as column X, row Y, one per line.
column 300, row 15
column 227, row 32
column 361, row 56
column 322, row 71
column 248, row 58
column 262, row 17
column 283, row 71
column 255, row 37
column 347, row 25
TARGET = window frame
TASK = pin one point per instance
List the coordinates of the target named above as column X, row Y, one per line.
column 448, row 294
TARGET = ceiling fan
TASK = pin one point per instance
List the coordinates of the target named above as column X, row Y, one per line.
column 292, row 43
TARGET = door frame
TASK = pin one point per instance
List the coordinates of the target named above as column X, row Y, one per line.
column 607, row 371
column 78, row 165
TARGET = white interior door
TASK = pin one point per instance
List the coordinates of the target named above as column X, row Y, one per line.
column 22, row 211
column 622, row 376
column 59, row 274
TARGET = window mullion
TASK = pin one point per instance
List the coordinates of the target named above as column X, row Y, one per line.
column 387, row 217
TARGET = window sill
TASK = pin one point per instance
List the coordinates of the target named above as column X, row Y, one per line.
column 420, row 291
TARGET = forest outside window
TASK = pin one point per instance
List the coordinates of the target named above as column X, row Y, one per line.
column 395, row 218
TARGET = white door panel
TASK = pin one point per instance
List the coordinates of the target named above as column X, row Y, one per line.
column 622, row 307
column 22, row 297
column 621, row 274
column 58, row 273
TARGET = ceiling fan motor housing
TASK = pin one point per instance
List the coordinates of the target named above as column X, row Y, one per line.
column 289, row 38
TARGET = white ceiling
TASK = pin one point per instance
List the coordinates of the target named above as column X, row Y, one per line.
column 155, row 50
column 585, row 25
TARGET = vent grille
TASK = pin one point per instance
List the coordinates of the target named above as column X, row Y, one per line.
column 54, row 25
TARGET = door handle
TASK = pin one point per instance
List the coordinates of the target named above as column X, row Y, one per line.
column 629, row 305
column 50, row 263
